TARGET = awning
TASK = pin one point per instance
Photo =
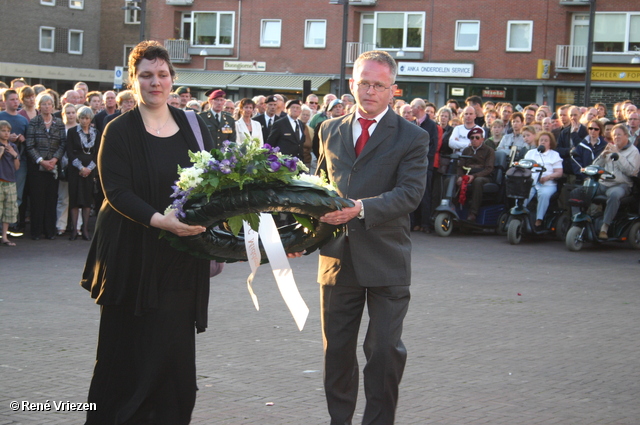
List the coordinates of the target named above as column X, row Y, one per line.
column 56, row 72
column 278, row 81
column 204, row 79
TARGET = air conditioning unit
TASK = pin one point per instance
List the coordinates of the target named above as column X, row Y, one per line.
column 356, row 2
column 180, row 2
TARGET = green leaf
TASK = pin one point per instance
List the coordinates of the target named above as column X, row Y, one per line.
column 235, row 223
column 305, row 222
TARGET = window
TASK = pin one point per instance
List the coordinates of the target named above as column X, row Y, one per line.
column 315, row 33
column 519, row 36
column 616, row 32
column 127, row 51
column 270, row 33
column 48, row 2
column 76, row 4
column 132, row 13
column 208, row 29
column 399, row 30
column 75, row 42
column 467, row 35
column 47, row 38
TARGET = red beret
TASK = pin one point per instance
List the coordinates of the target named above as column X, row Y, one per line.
column 475, row 130
column 216, row 94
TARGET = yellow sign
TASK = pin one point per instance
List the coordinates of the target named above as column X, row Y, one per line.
column 544, row 66
column 602, row 73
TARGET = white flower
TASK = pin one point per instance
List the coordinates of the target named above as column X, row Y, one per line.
column 190, row 178
column 315, row 180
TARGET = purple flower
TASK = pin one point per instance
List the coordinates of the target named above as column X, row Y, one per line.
column 225, row 166
column 274, row 165
column 292, row 163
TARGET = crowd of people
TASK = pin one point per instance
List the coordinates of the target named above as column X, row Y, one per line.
column 57, row 145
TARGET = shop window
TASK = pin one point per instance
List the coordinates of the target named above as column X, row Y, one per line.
column 271, row 33
column 467, row 35
column 519, row 36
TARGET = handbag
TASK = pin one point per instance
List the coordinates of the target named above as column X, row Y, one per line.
column 215, row 268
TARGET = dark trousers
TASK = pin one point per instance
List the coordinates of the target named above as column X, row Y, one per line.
column 342, row 307
column 476, row 193
column 43, row 198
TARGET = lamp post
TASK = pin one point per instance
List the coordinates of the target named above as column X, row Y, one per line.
column 587, row 77
column 343, row 57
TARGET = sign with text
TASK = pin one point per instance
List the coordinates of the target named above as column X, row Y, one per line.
column 429, row 69
column 244, row 66
column 602, row 73
column 494, row 93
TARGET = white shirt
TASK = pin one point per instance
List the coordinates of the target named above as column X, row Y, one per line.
column 459, row 137
column 356, row 128
column 293, row 125
column 550, row 159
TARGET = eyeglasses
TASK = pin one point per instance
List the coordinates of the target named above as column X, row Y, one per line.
column 377, row 87
column 476, row 137
column 312, row 103
column 594, row 129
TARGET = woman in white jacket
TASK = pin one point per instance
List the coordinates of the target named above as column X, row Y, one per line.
column 544, row 182
column 245, row 125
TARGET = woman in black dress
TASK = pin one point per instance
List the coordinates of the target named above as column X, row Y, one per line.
column 153, row 298
column 82, row 153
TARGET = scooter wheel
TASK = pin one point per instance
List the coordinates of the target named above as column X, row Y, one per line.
column 443, row 224
column 562, row 226
column 634, row 236
column 573, row 240
column 514, row 232
column 501, row 230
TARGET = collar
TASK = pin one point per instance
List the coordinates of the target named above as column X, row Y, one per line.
column 378, row 117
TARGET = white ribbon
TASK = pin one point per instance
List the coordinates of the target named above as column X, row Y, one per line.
column 279, row 262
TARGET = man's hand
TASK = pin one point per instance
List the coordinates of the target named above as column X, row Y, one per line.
column 339, row 217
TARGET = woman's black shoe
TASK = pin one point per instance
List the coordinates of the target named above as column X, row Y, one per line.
column 86, row 236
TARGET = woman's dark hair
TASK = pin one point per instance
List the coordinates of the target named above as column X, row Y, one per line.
column 246, row 101
column 149, row 50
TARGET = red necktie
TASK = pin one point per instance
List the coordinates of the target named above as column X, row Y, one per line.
column 364, row 136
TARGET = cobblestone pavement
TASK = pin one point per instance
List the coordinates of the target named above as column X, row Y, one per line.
column 496, row 334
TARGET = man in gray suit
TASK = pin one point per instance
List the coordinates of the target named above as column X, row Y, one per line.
column 379, row 160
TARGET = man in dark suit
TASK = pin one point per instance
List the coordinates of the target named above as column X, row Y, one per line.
column 422, row 216
column 220, row 124
column 288, row 133
column 378, row 159
column 269, row 117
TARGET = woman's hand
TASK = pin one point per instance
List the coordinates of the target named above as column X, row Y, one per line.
column 85, row 172
column 170, row 223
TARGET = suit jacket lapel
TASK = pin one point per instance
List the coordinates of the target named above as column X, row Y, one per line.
column 346, row 135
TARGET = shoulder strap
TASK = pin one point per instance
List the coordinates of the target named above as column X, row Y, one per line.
column 195, row 127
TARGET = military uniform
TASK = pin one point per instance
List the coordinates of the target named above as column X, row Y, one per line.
column 224, row 130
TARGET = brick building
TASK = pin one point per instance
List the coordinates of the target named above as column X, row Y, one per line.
column 498, row 49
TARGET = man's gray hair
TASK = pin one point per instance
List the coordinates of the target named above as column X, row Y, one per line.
column 418, row 103
column 379, row 56
column 622, row 127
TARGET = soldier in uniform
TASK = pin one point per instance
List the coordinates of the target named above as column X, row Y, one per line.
column 220, row 124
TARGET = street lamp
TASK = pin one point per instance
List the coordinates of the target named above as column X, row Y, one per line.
column 343, row 57
column 141, row 7
column 587, row 77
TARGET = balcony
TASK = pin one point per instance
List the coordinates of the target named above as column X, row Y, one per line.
column 178, row 50
column 570, row 58
column 180, row 2
column 356, row 49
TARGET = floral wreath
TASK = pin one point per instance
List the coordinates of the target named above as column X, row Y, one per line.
column 233, row 184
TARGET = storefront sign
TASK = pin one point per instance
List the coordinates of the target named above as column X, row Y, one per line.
column 398, row 93
column 244, row 66
column 494, row 93
column 428, row 69
column 601, row 73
